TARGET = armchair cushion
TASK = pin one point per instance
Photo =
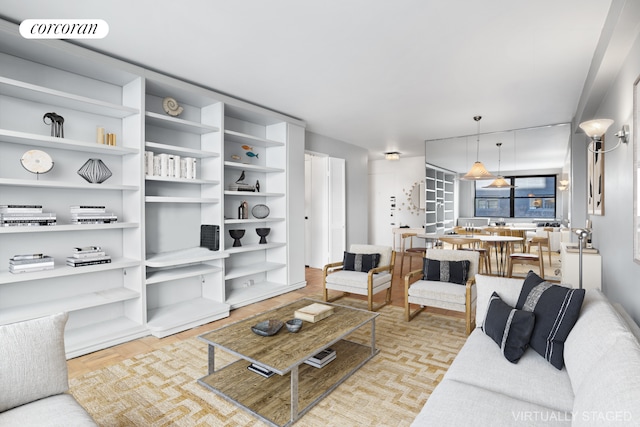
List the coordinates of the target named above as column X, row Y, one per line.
column 360, row 262
column 33, row 364
column 446, row 271
column 508, row 327
column 556, row 309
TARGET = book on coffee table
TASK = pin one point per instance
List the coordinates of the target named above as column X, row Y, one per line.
column 322, row 358
column 314, row 312
column 260, row 370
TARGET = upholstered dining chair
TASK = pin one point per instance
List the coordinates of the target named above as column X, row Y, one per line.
column 359, row 274
column 437, row 287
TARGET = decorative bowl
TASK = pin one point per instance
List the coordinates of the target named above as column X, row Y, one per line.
column 260, row 211
column 236, row 235
column 267, row 328
column 294, row 325
column 263, row 233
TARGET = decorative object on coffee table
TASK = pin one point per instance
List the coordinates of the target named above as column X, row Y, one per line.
column 263, row 233
column 95, row 171
column 236, row 235
column 36, row 161
column 267, row 328
column 260, row 211
column 294, row 325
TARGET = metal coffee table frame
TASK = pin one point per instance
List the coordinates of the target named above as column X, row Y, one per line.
column 284, row 353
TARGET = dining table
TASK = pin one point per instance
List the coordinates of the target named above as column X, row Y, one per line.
column 501, row 245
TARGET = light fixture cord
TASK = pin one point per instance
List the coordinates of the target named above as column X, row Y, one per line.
column 477, row 119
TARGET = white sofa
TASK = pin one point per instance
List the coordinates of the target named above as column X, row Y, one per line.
column 33, row 376
column 598, row 385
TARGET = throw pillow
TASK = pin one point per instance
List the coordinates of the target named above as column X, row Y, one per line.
column 509, row 328
column 446, row 271
column 557, row 309
column 360, row 262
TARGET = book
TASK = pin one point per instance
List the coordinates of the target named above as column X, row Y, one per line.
column 29, row 270
column 260, row 370
column 27, row 256
column 20, row 208
column 89, row 262
column 13, row 261
column 88, row 255
column 314, row 312
column 87, row 249
column 31, row 266
column 321, row 359
column 86, row 209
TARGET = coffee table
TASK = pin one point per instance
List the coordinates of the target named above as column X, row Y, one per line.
column 283, row 398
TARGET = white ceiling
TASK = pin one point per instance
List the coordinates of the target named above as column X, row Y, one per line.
column 385, row 75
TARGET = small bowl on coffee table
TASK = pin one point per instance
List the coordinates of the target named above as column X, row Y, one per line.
column 294, row 325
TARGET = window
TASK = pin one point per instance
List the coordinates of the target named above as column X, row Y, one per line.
column 533, row 197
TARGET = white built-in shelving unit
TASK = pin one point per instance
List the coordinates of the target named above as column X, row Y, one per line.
column 160, row 280
column 440, row 187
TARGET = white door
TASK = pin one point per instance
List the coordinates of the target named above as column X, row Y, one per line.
column 337, row 210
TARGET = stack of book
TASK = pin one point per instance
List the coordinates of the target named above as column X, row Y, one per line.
column 260, row 370
column 322, row 358
column 89, row 255
column 25, row 215
column 30, row 262
column 91, row 215
column 242, row 187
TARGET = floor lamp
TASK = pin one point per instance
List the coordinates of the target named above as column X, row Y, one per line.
column 581, row 235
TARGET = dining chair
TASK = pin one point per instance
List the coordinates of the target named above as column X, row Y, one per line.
column 411, row 251
column 543, row 239
column 526, row 258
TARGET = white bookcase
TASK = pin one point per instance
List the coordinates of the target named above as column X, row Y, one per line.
column 440, row 187
column 160, row 280
column 105, row 302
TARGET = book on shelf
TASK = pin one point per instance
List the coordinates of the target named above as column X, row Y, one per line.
column 87, row 249
column 75, row 262
column 260, row 370
column 38, row 267
column 20, row 208
column 322, row 358
column 75, row 209
column 86, row 255
column 314, row 312
column 27, row 256
column 30, row 261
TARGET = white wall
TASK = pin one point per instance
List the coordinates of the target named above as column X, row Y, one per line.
column 392, row 178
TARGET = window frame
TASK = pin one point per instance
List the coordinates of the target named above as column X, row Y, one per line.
column 512, row 197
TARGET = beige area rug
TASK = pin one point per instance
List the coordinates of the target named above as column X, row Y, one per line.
column 160, row 388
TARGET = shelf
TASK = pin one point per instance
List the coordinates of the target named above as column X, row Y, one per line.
column 68, row 227
column 40, row 94
column 243, row 138
column 238, row 297
column 251, row 220
column 166, row 199
column 180, row 180
column 182, row 257
column 65, row 270
column 251, row 194
column 251, row 248
column 71, row 303
column 46, row 141
column 181, row 125
column 170, row 319
column 96, row 336
column 248, row 270
column 35, row 182
column 180, row 273
column 181, row 151
column 250, row 167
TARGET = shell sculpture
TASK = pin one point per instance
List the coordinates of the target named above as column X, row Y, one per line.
column 171, row 106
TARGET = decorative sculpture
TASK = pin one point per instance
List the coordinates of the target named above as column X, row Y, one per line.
column 57, row 122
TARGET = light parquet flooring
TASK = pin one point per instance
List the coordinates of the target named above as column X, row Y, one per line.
column 110, row 356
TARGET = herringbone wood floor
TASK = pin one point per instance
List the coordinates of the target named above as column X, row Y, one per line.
column 100, row 359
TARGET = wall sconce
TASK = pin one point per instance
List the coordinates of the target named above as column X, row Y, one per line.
column 595, row 129
column 563, row 184
column 392, row 155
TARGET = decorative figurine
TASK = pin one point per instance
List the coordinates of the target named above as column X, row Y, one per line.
column 57, row 122
column 171, row 106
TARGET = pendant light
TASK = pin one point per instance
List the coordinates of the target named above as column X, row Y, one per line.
column 478, row 171
column 499, row 182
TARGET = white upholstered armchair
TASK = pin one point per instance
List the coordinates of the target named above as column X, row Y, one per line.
column 369, row 282
column 441, row 293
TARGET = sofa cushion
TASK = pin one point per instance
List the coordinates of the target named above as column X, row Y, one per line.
column 61, row 410
column 360, row 262
column 556, row 308
column 356, row 281
column 532, row 379
column 33, row 364
column 594, row 333
column 445, row 271
column 609, row 394
column 508, row 327
column 454, row 404
column 507, row 288
column 443, row 291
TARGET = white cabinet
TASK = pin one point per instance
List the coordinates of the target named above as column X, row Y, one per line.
column 160, row 280
column 439, row 199
column 104, row 301
column 570, row 267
